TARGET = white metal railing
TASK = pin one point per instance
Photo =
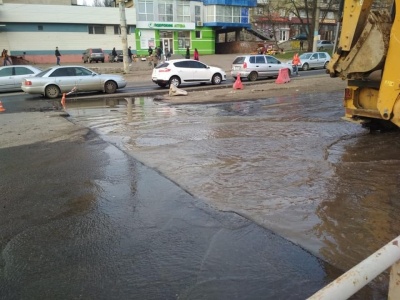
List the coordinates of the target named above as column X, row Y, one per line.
column 356, row 278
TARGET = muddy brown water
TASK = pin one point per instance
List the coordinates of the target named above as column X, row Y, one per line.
column 290, row 164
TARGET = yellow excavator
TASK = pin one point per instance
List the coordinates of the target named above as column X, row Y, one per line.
column 368, row 57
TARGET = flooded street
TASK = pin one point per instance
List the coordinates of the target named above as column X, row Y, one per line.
column 290, row 164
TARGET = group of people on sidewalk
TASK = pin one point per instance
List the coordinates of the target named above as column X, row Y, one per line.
column 157, row 54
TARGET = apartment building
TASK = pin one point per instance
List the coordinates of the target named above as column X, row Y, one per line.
column 33, row 28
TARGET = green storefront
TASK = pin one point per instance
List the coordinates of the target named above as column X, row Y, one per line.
column 175, row 37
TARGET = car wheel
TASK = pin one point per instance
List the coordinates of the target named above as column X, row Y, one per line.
column 174, row 80
column 52, row 91
column 216, row 79
column 102, row 60
column 163, row 85
column 253, row 76
column 110, row 87
column 326, row 64
column 306, row 67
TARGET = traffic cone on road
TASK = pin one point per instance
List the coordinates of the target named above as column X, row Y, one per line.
column 1, row 107
column 238, row 85
column 283, row 76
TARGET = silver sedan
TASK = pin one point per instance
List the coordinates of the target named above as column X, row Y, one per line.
column 62, row 79
column 12, row 76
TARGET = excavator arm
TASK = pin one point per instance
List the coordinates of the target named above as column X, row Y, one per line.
column 368, row 56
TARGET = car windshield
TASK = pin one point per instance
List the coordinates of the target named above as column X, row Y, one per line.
column 41, row 74
column 305, row 55
column 97, row 51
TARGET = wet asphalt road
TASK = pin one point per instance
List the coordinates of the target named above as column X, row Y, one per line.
column 85, row 221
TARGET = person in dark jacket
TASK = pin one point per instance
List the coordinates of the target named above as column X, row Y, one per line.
column 187, row 53
column 114, row 55
column 130, row 55
column 58, row 56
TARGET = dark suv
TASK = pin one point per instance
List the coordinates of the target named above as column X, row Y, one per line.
column 93, row 54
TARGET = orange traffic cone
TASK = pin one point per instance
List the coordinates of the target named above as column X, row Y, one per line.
column 1, row 107
column 63, row 100
column 238, row 85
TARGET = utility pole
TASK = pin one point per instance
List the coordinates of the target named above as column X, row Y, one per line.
column 124, row 36
column 316, row 25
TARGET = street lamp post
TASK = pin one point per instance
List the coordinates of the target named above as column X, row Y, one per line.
column 124, row 36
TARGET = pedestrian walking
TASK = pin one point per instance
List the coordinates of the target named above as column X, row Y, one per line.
column 155, row 60
column 130, row 55
column 6, row 58
column 196, row 54
column 167, row 54
column 295, row 63
column 150, row 51
column 187, row 53
column 159, row 53
column 301, row 45
column 58, row 56
column 114, row 55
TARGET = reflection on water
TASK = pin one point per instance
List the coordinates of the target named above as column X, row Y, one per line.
column 288, row 163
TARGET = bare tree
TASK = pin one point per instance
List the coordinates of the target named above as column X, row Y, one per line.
column 274, row 13
column 104, row 3
column 306, row 11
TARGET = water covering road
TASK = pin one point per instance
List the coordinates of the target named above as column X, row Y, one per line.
column 290, row 164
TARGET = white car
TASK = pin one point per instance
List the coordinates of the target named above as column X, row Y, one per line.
column 180, row 71
column 313, row 60
column 11, row 77
column 62, row 79
column 324, row 45
column 256, row 66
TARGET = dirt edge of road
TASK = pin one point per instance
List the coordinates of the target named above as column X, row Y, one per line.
column 269, row 89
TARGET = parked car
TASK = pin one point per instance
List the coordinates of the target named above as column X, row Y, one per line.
column 119, row 58
column 254, row 67
column 314, row 60
column 61, row 79
column 11, row 77
column 301, row 36
column 179, row 71
column 324, row 45
column 93, row 54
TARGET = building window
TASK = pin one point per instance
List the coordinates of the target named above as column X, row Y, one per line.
column 117, row 29
column 227, row 14
column 166, row 11
column 146, row 10
column 198, row 34
column 197, row 13
column 97, row 29
column 183, row 12
column 183, row 39
column 40, row 28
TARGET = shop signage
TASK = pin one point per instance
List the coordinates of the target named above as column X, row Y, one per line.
column 165, row 25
